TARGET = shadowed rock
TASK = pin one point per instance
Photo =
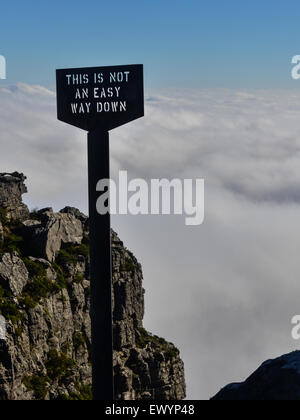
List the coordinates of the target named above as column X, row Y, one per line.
column 277, row 379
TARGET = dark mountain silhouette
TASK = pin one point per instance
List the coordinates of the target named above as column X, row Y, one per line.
column 275, row 380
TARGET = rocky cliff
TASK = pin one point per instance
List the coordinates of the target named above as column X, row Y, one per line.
column 44, row 310
column 274, row 380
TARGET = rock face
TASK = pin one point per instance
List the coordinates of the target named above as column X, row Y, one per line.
column 46, row 236
column 277, row 379
column 14, row 275
column 44, row 313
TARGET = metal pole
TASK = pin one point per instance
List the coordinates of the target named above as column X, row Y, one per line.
column 100, row 271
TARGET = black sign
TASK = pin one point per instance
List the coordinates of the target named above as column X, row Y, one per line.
column 105, row 97
column 97, row 100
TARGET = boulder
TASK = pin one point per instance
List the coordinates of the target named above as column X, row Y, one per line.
column 47, row 236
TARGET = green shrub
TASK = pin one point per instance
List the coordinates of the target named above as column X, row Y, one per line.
column 129, row 265
column 10, row 311
column 83, row 249
column 65, row 257
column 35, row 268
column 61, row 277
column 28, row 302
column 38, row 384
column 169, row 350
column 38, row 288
column 70, row 252
column 12, row 243
column 171, row 354
column 8, row 308
column 69, row 255
column 59, row 365
column 13, row 234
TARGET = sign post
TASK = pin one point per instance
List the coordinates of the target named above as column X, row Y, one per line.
column 98, row 100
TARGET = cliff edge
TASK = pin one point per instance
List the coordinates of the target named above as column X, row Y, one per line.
column 44, row 310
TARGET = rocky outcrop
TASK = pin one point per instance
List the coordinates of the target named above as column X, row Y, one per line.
column 45, row 302
column 277, row 379
column 46, row 235
column 12, row 187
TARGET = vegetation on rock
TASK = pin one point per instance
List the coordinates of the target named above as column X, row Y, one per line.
column 59, row 366
column 144, row 339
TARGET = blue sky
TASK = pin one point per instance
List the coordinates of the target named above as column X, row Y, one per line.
column 191, row 43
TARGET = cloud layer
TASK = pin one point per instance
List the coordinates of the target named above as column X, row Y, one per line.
column 224, row 292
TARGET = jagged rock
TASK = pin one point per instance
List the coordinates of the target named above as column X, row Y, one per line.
column 46, row 354
column 13, row 273
column 12, row 187
column 75, row 212
column 277, row 379
column 53, row 229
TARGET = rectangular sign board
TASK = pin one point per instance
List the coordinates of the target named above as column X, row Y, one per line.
column 100, row 97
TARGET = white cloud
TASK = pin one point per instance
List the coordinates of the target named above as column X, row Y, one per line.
column 224, row 292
